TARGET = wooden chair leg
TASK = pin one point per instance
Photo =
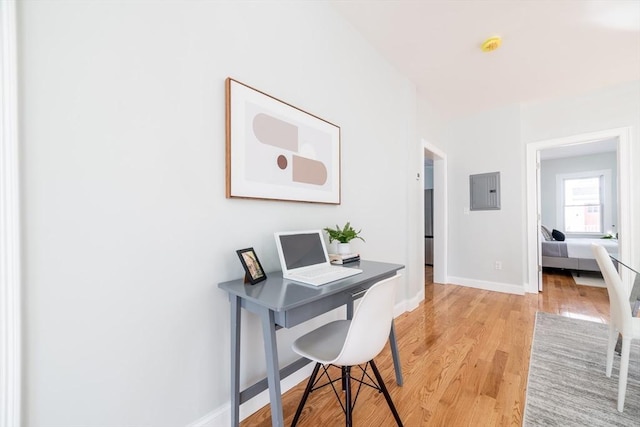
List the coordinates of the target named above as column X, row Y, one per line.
column 307, row 390
column 387, row 396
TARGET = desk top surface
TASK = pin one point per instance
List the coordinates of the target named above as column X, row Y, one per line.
column 279, row 294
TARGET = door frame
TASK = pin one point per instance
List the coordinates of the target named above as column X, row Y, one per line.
column 440, row 222
column 625, row 243
column 10, row 270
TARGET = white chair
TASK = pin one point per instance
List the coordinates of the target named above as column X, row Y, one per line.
column 347, row 343
column 621, row 321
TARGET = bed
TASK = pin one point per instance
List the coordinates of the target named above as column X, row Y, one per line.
column 575, row 254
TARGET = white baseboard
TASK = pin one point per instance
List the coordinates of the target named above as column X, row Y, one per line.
column 488, row 286
column 410, row 304
column 222, row 415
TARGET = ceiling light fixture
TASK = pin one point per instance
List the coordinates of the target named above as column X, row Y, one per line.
column 491, row 44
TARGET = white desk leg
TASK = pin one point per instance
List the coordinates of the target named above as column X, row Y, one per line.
column 395, row 354
column 273, row 370
column 235, row 360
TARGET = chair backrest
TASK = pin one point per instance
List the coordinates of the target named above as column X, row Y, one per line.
column 371, row 324
column 620, row 307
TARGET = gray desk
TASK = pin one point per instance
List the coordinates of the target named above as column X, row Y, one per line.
column 284, row 303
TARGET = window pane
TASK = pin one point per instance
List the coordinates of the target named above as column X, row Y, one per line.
column 583, row 219
column 583, row 191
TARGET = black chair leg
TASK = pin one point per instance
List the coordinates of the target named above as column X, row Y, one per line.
column 307, row 390
column 386, row 393
column 346, row 378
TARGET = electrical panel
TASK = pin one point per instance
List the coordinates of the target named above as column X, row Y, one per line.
column 485, row 191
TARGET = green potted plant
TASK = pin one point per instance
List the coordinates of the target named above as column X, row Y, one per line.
column 343, row 236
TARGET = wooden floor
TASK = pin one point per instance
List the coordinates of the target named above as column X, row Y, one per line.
column 465, row 358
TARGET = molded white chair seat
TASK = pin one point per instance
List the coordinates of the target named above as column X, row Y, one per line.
column 347, row 343
column 323, row 344
column 621, row 322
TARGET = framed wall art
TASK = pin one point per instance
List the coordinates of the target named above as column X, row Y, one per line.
column 276, row 151
column 254, row 272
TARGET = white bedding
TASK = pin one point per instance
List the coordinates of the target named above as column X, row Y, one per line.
column 581, row 248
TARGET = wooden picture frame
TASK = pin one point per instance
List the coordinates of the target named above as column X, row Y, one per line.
column 254, row 272
column 276, row 151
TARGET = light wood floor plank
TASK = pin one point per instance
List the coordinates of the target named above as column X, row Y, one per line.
column 465, row 358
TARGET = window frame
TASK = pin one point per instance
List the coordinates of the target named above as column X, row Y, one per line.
column 605, row 200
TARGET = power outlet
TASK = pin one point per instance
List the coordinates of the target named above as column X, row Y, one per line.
column 498, row 265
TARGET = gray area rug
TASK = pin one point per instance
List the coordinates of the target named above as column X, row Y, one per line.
column 567, row 383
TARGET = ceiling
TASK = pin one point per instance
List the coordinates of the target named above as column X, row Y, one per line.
column 549, row 48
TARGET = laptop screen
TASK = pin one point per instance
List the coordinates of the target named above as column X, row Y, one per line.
column 301, row 249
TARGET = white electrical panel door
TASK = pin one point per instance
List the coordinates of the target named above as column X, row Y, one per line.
column 485, row 191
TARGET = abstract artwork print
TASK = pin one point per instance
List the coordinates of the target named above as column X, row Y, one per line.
column 277, row 151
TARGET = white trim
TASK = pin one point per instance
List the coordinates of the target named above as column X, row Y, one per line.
column 409, row 304
column 605, row 200
column 10, row 327
column 533, row 197
column 625, row 245
column 506, row 288
column 437, row 152
column 221, row 416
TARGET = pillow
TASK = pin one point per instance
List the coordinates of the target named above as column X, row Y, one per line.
column 546, row 233
column 558, row 235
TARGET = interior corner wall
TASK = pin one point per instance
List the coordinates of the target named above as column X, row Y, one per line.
column 431, row 124
column 486, row 142
column 126, row 227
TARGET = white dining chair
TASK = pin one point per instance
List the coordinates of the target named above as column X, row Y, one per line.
column 621, row 322
column 349, row 343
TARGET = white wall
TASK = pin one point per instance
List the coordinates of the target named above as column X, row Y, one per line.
column 483, row 143
column 431, row 124
column 495, row 141
column 126, row 228
column 551, row 168
column 608, row 108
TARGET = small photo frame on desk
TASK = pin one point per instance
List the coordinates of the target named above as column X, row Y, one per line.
column 254, row 272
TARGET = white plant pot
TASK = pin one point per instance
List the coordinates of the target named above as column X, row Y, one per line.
column 344, row 248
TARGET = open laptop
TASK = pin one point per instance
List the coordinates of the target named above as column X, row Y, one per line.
column 303, row 257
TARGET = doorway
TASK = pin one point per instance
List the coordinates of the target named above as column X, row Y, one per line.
column 621, row 137
column 438, row 161
column 428, row 212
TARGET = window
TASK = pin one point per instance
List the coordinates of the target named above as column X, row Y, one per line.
column 583, row 204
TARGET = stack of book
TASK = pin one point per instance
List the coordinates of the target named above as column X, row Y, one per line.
column 343, row 258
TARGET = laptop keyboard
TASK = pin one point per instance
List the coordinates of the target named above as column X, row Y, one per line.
column 325, row 274
column 322, row 272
